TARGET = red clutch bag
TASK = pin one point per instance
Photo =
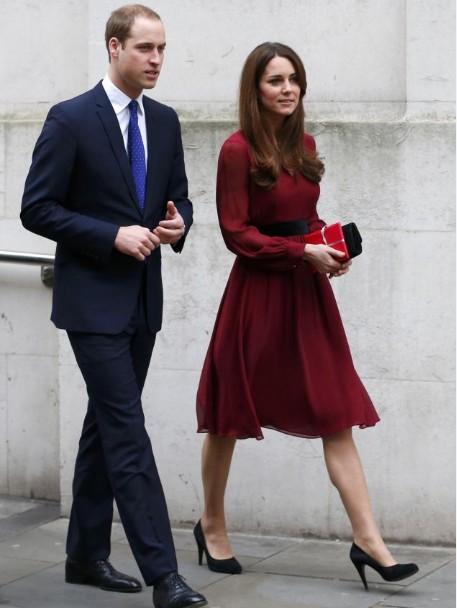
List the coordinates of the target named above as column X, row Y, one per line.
column 332, row 236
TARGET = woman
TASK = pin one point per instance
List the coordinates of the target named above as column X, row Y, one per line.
column 278, row 357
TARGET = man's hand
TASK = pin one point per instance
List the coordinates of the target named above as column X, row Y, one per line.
column 172, row 228
column 326, row 260
column 136, row 241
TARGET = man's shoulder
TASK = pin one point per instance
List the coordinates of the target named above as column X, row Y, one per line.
column 158, row 108
column 80, row 101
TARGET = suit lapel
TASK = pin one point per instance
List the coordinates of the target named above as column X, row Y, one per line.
column 113, row 132
column 153, row 157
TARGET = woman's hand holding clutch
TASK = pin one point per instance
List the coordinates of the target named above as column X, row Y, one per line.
column 325, row 260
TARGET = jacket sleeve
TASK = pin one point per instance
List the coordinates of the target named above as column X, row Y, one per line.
column 45, row 210
column 178, row 188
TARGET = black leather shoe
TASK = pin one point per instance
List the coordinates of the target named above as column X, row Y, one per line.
column 226, row 566
column 398, row 572
column 173, row 592
column 100, row 574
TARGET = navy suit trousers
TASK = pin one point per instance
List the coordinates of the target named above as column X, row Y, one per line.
column 115, row 458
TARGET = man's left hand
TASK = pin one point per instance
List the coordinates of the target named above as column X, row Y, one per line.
column 172, row 228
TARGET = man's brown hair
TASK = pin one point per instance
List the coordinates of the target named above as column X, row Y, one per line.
column 120, row 22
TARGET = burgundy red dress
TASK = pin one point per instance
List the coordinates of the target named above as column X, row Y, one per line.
column 278, row 356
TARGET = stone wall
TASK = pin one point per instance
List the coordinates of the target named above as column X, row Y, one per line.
column 381, row 103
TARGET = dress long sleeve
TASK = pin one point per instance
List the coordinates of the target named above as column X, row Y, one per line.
column 240, row 234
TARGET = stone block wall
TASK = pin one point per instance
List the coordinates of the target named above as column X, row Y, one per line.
column 381, row 104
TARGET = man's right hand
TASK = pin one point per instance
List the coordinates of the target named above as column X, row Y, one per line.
column 136, row 241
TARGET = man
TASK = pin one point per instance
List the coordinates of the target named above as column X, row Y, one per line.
column 108, row 184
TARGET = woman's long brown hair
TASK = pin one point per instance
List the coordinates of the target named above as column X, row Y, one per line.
column 284, row 149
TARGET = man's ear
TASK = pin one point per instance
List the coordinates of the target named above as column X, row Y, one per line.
column 114, row 47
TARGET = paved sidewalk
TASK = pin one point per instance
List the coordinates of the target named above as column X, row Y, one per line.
column 278, row 572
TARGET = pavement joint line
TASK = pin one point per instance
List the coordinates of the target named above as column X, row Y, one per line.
column 37, row 515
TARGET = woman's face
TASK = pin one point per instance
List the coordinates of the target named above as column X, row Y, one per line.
column 279, row 90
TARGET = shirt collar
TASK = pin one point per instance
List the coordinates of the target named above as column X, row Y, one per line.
column 118, row 99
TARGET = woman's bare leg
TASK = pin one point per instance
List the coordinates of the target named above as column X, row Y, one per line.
column 346, row 473
column 216, row 459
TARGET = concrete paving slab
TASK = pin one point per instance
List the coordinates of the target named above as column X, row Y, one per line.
column 314, row 559
column 117, row 533
column 47, row 589
column 255, row 590
column 278, row 572
column 199, row 576
column 196, row 576
column 330, row 559
column 61, row 525
column 243, row 544
column 20, row 515
column 58, row 526
column 260, row 546
column 12, row 506
column 12, row 569
column 436, row 590
column 41, row 544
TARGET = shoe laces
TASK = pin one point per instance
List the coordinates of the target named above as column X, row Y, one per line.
column 177, row 582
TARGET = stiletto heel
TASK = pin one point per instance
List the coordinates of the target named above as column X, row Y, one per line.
column 360, row 559
column 225, row 566
column 361, row 570
column 200, row 552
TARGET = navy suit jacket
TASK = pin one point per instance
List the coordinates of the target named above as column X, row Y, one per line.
column 80, row 190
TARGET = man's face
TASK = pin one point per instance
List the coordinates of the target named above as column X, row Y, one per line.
column 136, row 65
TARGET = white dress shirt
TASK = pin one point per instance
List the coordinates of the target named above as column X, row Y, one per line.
column 120, row 102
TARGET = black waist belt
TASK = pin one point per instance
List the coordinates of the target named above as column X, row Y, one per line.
column 284, row 228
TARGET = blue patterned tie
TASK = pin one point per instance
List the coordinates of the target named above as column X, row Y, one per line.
column 136, row 154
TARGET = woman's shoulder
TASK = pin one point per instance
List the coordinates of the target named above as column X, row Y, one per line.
column 236, row 139
column 236, row 144
column 310, row 143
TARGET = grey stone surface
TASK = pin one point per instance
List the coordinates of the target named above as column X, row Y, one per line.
column 16, row 568
column 11, row 506
column 243, row 544
column 436, row 589
column 384, row 120
column 272, row 591
column 278, row 573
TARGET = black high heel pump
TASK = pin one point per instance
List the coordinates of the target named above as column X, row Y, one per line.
column 225, row 566
column 360, row 559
